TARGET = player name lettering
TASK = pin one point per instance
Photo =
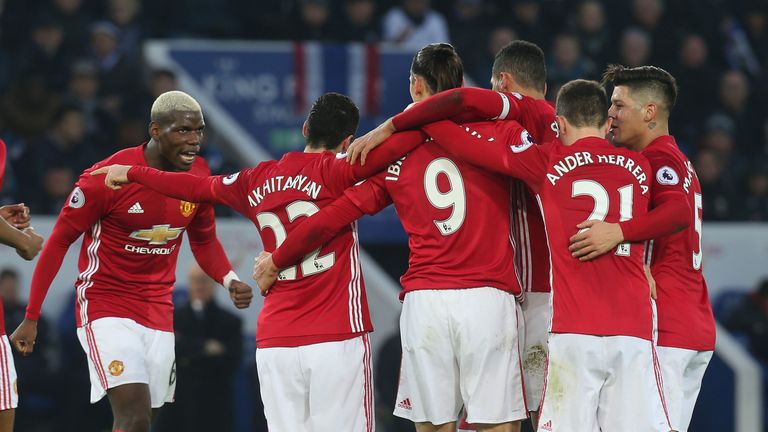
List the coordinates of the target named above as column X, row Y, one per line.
column 282, row 183
column 578, row 159
column 394, row 170
column 150, row 251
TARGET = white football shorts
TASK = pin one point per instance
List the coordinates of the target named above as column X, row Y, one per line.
column 461, row 349
column 682, row 371
column 319, row 387
column 121, row 351
column 602, row 383
column 9, row 391
column 537, row 314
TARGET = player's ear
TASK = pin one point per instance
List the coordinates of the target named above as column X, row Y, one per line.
column 607, row 126
column 154, row 129
column 561, row 124
column 650, row 111
column 305, row 129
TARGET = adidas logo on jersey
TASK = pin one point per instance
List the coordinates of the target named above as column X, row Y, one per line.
column 405, row 404
column 136, row 209
column 547, row 425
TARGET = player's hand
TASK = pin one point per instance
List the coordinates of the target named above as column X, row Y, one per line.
column 651, row 280
column 264, row 272
column 241, row 294
column 598, row 238
column 116, row 175
column 32, row 245
column 16, row 214
column 23, row 338
column 363, row 145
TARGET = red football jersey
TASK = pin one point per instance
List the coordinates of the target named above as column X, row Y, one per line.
column 538, row 117
column 456, row 217
column 323, row 298
column 684, row 310
column 587, row 180
column 532, row 251
column 128, row 258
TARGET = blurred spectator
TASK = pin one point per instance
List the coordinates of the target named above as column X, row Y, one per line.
column 117, row 72
column 755, row 206
column 140, row 103
column 208, row 353
column 125, row 14
column 58, row 182
column 35, row 375
column 469, row 31
column 525, row 19
column 751, row 318
column 314, row 22
column 566, row 62
column 635, row 49
column 696, row 79
column 83, row 91
column 718, row 199
column 593, row 32
column 44, row 54
column 64, row 146
column 735, row 104
column 648, row 15
column 74, row 23
column 360, row 22
column 719, row 136
column 414, row 24
column 756, row 25
column 28, row 106
column 201, row 18
column 481, row 71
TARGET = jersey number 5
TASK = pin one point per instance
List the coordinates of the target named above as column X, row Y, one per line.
column 311, row 264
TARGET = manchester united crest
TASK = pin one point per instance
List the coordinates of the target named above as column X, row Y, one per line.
column 187, row 208
column 116, row 368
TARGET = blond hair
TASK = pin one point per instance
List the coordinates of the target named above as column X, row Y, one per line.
column 171, row 102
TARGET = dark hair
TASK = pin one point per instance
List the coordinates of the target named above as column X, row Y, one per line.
column 8, row 272
column 655, row 80
column 332, row 118
column 583, row 103
column 440, row 66
column 524, row 61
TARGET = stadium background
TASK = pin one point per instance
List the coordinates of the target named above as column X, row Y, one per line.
column 77, row 78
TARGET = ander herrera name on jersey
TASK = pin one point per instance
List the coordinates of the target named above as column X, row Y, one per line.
column 568, row 163
column 282, row 183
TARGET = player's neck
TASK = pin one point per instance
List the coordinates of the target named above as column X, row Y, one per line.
column 575, row 134
column 658, row 130
column 530, row 92
column 153, row 157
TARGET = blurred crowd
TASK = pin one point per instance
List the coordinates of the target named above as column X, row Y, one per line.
column 74, row 88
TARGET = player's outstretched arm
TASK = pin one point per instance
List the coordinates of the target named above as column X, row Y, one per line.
column 177, row 185
column 463, row 104
column 392, row 149
column 668, row 217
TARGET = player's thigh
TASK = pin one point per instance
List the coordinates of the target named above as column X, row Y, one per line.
column 129, row 402
column 115, row 351
column 632, row 398
column 536, row 314
column 9, row 391
column 428, row 390
column 284, row 389
column 488, row 351
column 682, row 371
column 7, row 418
column 574, row 378
column 340, row 384
column 160, row 358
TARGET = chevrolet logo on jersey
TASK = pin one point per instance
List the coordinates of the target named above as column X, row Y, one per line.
column 158, row 234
